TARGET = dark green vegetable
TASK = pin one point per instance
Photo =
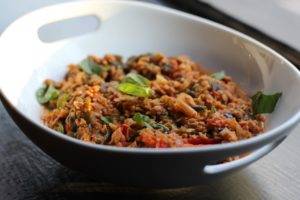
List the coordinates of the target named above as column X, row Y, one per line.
column 144, row 120
column 89, row 66
column 62, row 100
column 106, row 120
column 136, row 79
column 199, row 108
column 218, row 75
column 262, row 103
column 45, row 94
column 160, row 126
column 135, row 90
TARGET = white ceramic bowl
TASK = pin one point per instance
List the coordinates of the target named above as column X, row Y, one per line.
column 130, row 28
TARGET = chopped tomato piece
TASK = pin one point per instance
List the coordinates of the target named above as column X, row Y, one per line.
column 203, row 140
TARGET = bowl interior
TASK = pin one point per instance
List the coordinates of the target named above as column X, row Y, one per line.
column 131, row 29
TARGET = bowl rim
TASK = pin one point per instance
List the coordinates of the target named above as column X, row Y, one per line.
column 268, row 135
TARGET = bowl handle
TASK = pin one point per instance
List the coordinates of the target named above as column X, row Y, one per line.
column 219, row 169
column 50, row 14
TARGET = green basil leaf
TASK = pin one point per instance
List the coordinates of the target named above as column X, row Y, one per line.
column 160, row 126
column 52, row 93
column 40, row 94
column 140, row 118
column 106, row 120
column 262, row 103
column 144, row 120
column 89, row 66
column 136, row 79
column 218, row 75
column 45, row 94
column 62, row 100
column 135, row 90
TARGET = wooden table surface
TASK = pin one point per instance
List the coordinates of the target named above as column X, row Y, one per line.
column 27, row 173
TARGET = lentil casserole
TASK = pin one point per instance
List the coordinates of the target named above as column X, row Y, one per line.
column 150, row 100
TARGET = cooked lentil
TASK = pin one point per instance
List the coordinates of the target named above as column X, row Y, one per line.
column 175, row 103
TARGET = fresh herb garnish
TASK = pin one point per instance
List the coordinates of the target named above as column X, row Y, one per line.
column 106, row 120
column 160, row 126
column 45, row 94
column 62, row 100
column 144, row 120
column 218, row 75
column 135, row 90
column 262, row 103
column 136, row 79
column 135, row 85
column 89, row 66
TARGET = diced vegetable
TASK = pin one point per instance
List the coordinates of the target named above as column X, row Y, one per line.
column 106, row 120
column 215, row 86
column 218, row 75
column 60, row 127
column 199, row 108
column 136, row 79
column 62, row 100
column 45, row 94
column 107, row 136
column 160, row 126
column 213, row 109
column 166, row 68
column 135, row 90
column 262, row 103
column 89, row 66
column 133, row 136
column 203, row 140
column 144, row 120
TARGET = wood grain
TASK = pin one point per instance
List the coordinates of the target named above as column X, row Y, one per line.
column 27, row 173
